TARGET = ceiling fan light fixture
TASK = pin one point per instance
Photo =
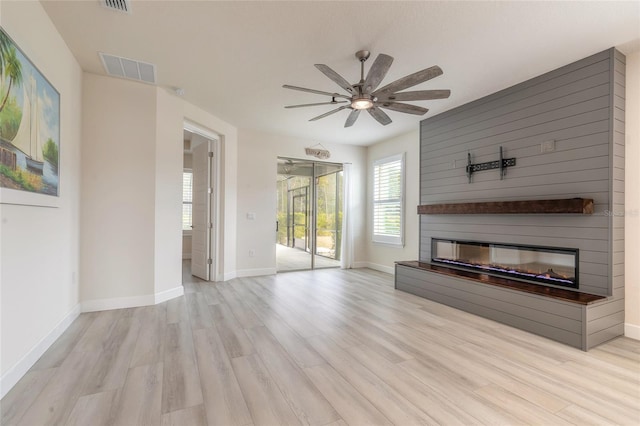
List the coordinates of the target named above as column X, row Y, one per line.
column 365, row 94
column 363, row 102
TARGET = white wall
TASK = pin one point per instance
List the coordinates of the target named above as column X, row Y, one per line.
column 132, row 192
column 380, row 256
column 257, row 171
column 188, row 160
column 632, row 197
column 168, row 192
column 39, row 263
column 186, row 246
column 118, row 188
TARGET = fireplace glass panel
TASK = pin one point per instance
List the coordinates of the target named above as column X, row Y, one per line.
column 556, row 266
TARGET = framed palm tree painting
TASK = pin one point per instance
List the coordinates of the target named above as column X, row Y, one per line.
column 29, row 128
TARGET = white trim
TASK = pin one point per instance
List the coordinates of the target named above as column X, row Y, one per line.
column 217, row 203
column 387, row 244
column 202, row 131
column 382, row 268
column 217, row 245
column 19, row 369
column 390, row 240
column 132, row 301
column 117, row 303
column 632, row 331
column 25, row 198
column 375, row 266
column 227, row 276
column 172, row 293
column 255, row 272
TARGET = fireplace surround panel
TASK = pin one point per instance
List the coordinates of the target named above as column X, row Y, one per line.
column 581, row 108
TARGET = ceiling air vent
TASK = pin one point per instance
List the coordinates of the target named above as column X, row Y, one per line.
column 128, row 68
column 119, row 5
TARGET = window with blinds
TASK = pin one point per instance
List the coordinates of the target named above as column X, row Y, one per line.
column 187, row 199
column 388, row 200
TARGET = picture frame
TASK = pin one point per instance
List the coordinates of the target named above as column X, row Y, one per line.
column 29, row 131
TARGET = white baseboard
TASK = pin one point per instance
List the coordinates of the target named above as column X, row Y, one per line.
column 632, row 331
column 382, row 268
column 376, row 266
column 172, row 293
column 229, row 276
column 117, row 303
column 131, row 302
column 255, row 272
column 15, row 373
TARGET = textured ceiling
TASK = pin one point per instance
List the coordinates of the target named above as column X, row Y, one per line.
column 232, row 58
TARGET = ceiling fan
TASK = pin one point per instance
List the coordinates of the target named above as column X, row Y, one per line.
column 364, row 96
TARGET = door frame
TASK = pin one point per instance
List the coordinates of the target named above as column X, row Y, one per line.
column 216, row 268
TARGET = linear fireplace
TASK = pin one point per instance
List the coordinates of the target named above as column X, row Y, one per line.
column 546, row 265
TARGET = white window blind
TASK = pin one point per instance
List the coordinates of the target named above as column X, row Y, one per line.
column 388, row 200
column 187, row 200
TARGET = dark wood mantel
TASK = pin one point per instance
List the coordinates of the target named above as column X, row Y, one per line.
column 564, row 206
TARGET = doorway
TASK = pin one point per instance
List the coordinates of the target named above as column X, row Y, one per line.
column 199, row 204
column 309, row 214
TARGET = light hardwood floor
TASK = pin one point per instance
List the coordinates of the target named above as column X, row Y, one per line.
column 319, row 348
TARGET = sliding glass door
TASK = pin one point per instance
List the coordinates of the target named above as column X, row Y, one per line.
column 309, row 214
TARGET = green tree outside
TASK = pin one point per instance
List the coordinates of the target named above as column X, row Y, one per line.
column 328, row 211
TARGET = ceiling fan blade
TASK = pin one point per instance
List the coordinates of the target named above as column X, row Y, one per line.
column 419, row 95
column 337, row 78
column 333, row 111
column 409, row 81
column 379, row 115
column 320, row 103
column 377, row 72
column 352, row 118
column 406, row 108
column 317, row 92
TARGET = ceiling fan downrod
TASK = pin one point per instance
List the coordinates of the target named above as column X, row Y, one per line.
column 360, row 100
column 362, row 56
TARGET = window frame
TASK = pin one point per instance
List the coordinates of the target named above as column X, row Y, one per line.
column 187, row 231
column 383, row 239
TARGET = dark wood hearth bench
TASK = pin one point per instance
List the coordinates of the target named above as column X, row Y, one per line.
column 563, row 315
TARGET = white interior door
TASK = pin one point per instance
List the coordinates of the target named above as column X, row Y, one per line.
column 201, row 236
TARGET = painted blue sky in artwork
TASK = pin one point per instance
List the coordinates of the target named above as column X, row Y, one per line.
column 48, row 99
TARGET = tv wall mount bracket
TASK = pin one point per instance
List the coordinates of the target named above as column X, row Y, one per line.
column 501, row 164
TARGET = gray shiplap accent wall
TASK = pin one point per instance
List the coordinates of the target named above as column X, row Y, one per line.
column 607, row 319
column 582, row 108
column 575, row 106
